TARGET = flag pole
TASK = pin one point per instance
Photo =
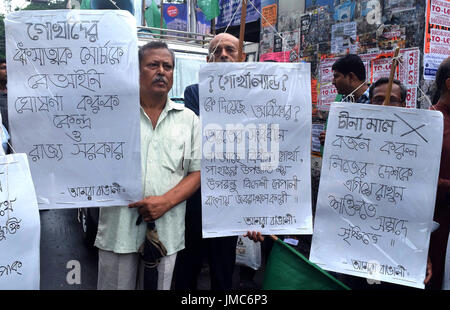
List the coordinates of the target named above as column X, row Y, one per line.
column 242, row 29
column 143, row 13
column 162, row 12
column 161, row 22
column 387, row 99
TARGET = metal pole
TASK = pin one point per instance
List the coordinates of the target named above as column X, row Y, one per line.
column 242, row 30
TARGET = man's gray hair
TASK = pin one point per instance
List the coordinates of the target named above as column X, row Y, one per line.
column 153, row 46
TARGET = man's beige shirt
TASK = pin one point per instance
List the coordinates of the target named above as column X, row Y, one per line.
column 168, row 153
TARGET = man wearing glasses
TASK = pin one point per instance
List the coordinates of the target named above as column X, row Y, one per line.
column 221, row 251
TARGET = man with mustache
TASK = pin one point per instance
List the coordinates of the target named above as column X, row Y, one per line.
column 220, row 252
column 170, row 156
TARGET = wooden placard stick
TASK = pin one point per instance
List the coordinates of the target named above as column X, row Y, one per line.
column 143, row 13
column 161, row 22
column 387, row 99
column 242, row 29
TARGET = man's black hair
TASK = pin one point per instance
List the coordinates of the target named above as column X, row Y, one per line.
column 385, row 80
column 2, row 60
column 153, row 46
column 350, row 63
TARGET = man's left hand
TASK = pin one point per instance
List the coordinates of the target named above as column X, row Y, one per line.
column 429, row 271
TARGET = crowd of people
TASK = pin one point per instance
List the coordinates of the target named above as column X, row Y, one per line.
column 171, row 178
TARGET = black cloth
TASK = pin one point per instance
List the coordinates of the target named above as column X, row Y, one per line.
column 4, row 109
column 439, row 238
column 220, row 253
column 191, row 98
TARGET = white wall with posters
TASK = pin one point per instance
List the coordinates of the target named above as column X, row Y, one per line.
column 19, row 226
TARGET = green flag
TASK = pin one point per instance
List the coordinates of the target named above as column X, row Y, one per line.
column 153, row 16
column 287, row 269
column 85, row 5
column 209, row 7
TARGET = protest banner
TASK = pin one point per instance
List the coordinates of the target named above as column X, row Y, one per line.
column 73, row 104
column 256, row 161
column 19, row 225
column 377, row 192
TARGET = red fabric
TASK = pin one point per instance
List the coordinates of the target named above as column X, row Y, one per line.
column 439, row 238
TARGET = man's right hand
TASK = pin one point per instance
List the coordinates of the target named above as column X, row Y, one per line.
column 255, row 236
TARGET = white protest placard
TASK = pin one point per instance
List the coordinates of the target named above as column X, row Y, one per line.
column 19, row 226
column 73, row 102
column 256, row 164
column 377, row 192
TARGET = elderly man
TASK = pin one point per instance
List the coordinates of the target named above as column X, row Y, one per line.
column 439, row 238
column 221, row 252
column 170, row 155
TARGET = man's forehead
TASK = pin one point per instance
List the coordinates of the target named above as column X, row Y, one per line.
column 224, row 40
column 157, row 52
column 381, row 90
